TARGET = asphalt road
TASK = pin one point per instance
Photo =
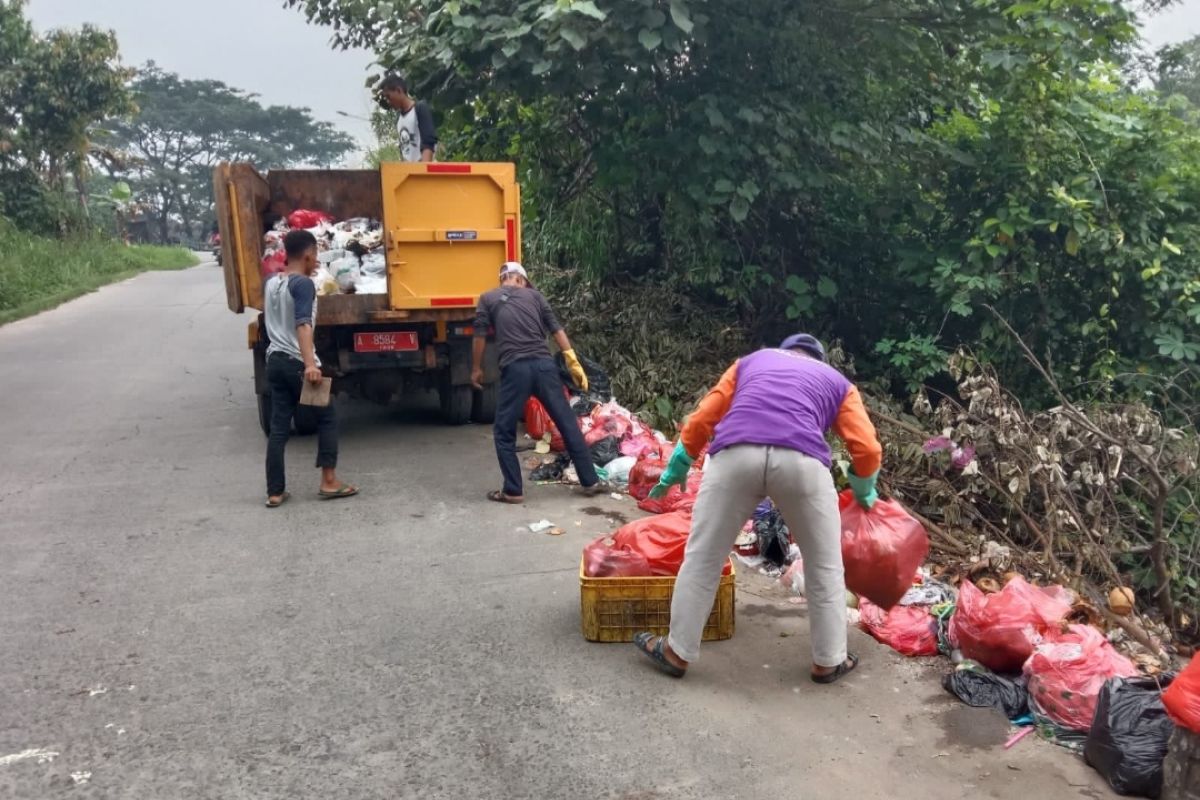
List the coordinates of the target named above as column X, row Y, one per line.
column 165, row 636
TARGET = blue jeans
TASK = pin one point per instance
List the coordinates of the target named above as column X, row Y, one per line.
column 285, row 378
column 536, row 377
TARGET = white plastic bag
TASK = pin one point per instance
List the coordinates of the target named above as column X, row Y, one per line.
column 374, row 264
column 618, row 470
column 345, row 272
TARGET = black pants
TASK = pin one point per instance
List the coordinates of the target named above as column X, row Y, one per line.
column 285, row 379
column 537, row 377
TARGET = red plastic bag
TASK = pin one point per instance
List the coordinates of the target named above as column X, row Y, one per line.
column 881, row 548
column 274, row 263
column 604, row 559
column 1000, row 630
column 909, row 630
column 676, row 499
column 1182, row 697
column 537, row 421
column 661, row 539
column 644, row 476
column 304, row 218
column 610, row 420
column 595, row 434
column 1067, row 671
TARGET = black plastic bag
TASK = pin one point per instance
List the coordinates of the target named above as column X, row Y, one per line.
column 987, row 690
column 599, row 385
column 774, row 540
column 551, row 470
column 1129, row 735
column 606, row 450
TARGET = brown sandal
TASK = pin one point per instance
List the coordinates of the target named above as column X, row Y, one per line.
column 498, row 496
column 276, row 503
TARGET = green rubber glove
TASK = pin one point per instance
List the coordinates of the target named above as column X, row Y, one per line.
column 864, row 488
column 676, row 472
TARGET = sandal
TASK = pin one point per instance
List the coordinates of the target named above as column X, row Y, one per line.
column 498, row 496
column 656, row 654
column 345, row 490
column 278, row 501
column 841, row 671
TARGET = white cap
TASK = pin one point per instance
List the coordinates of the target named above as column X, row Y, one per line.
column 513, row 268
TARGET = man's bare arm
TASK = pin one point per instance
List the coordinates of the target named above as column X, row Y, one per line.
column 477, row 348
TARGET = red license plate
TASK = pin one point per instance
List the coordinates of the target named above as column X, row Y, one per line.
column 386, row 342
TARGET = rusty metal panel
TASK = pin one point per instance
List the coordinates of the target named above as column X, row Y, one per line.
column 241, row 194
column 341, row 193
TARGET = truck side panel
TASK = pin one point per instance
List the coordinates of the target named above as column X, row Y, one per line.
column 449, row 228
column 240, row 194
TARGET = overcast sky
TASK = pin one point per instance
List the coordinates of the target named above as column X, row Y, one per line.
column 255, row 45
column 259, row 46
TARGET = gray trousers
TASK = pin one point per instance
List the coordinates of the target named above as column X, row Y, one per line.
column 736, row 480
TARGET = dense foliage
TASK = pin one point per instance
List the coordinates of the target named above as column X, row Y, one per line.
column 53, row 89
column 872, row 170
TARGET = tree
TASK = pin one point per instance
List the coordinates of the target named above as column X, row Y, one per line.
column 53, row 89
column 182, row 128
column 1179, row 70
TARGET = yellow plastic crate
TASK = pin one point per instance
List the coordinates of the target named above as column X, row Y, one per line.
column 616, row 609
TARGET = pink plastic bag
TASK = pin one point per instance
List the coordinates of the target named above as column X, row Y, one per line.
column 1182, row 697
column 1067, row 671
column 603, row 558
column 909, row 630
column 304, row 218
column 881, row 548
column 1000, row 630
column 644, row 445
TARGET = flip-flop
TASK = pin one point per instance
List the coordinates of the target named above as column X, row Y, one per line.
column 345, row 490
column 841, row 671
column 498, row 496
column 283, row 498
column 656, row 654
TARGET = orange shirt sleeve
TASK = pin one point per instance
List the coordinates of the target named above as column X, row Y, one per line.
column 854, row 427
column 698, row 429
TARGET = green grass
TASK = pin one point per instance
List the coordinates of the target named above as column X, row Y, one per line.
column 38, row 273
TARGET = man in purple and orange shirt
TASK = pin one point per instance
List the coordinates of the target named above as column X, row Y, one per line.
column 765, row 424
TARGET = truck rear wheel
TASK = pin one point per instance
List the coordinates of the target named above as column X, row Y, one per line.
column 483, row 409
column 456, row 404
column 264, row 413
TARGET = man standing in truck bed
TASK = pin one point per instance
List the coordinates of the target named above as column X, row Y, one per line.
column 522, row 320
column 418, row 137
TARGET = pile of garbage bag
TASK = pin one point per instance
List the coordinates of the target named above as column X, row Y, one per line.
column 350, row 252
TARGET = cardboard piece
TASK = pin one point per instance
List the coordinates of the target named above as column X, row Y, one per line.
column 316, row 394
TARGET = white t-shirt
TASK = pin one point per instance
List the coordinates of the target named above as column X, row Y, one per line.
column 410, row 135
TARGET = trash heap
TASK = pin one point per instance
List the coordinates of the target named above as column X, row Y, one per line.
column 1037, row 654
column 350, row 252
column 628, row 454
column 1023, row 650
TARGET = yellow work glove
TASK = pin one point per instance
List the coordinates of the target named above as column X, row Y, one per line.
column 576, row 369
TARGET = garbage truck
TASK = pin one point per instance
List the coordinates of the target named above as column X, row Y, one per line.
column 447, row 228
